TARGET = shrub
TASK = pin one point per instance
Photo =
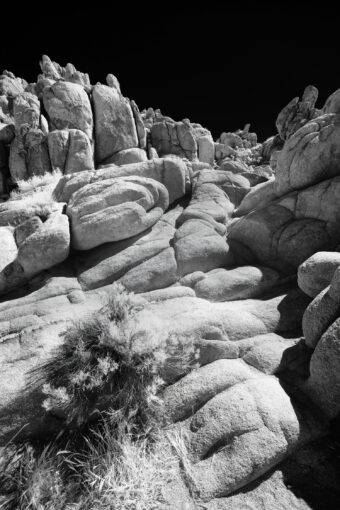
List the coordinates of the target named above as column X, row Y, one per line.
column 114, row 361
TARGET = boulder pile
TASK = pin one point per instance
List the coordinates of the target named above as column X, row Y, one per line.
column 232, row 242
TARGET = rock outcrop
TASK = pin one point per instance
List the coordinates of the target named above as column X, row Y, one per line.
column 210, row 235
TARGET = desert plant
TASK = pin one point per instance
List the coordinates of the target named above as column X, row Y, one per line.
column 112, row 360
column 31, row 480
column 112, row 469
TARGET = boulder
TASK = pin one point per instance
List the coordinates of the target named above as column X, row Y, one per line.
column 29, row 155
column 206, row 149
column 198, row 247
column 209, row 201
column 68, row 107
column 70, row 151
column 324, row 381
column 258, row 197
column 239, row 434
column 174, row 138
column 126, row 157
column 316, row 273
column 234, row 166
column 46, row 246
column 297, row 113
column 311, row 155
column 115, row 209
column 38, row 247
column 26, row 111
column 287, row 231
column 54, row 72
column 133, row 258
column 115, row 128
column 11, row 86
column 239, row 283
column 232, row 321
column 319, row 315
column 173, row 174
column 141, row 131
column 157, row 272
column 27, row 228
column 332, row 104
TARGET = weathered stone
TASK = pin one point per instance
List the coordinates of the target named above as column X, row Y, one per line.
column 223, row 151
column 324, row 381
column 241, row 433
column 68, row 107
column 287, row 231
column 173, row 174
column 10, row 85
column 316, row 273
column 199, row 247
column 26, row 110
column 29, row 155
column 127, row 157
column 70, row 151
column 107, row 263
column 27, row 228
column 115, row 128
column 206, row 149
column 240, row 283
column 319, row 314
column 112, row 81
column 174, row 138
column 297, row 113
column 234, row 166
column 115, row 209
column 45, row 247
column 311, row 155
column 157, row 272
column 259, row 196
column 141, row 131
column 53, row 71
column 332, row 104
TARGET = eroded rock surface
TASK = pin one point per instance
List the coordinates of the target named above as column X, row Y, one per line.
column 211, row 235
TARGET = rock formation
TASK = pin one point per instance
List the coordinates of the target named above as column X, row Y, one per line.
column 210, row 234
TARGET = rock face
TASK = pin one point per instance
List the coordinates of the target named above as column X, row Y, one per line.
column 70, row 151
column 68, row 107
column 211, row 235
column 115, row 128
column 297, row 113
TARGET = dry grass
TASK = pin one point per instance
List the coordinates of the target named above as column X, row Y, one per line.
column 32, row 198
column 111, row 472
column 35, row 183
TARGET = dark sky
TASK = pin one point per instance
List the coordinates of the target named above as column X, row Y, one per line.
column 221, row 65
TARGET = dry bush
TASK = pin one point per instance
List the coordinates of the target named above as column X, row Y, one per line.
column 114, row 361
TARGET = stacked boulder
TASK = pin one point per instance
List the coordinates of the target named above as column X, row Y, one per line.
column 210, row 235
